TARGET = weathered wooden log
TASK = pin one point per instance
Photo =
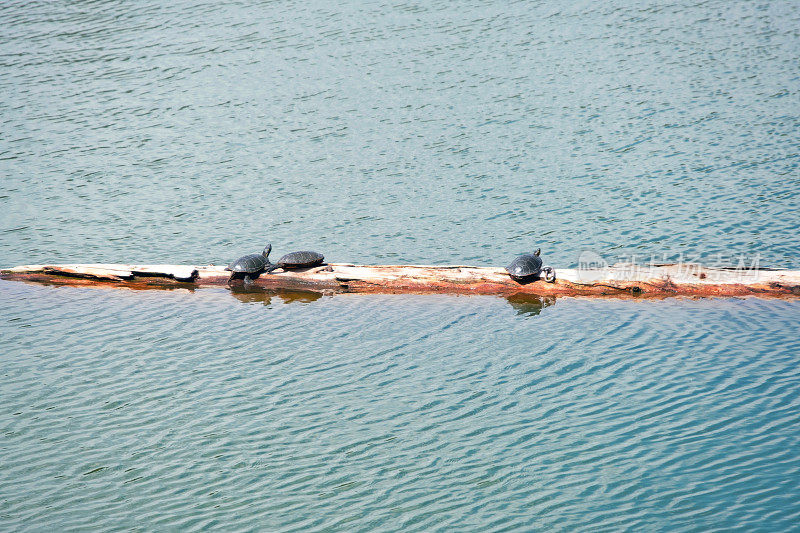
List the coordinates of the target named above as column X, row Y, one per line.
column 619, row 279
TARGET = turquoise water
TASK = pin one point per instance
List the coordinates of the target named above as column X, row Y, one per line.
column 397, row 133
column 153, row 410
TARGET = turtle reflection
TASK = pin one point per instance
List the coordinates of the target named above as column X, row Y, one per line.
column 289, row 297
column 529, row 304
column 255, row 294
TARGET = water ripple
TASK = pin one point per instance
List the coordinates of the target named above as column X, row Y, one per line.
column 198, row 397
column 192, row 132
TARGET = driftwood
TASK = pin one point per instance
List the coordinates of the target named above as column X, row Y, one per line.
column 617, row 280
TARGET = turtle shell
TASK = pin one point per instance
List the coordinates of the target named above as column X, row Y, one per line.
column 249, row 264
column 300, row 259
column 524, row 266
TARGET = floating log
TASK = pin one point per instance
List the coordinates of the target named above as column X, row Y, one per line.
column 617, row 280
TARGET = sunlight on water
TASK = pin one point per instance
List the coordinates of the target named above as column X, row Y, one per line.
column 209, row 408
column 452, row 133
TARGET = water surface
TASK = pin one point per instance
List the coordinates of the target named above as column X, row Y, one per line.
column 153, row 409
column 191, row 132
column 444, row 133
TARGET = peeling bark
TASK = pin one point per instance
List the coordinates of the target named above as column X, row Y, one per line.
column 618, row 280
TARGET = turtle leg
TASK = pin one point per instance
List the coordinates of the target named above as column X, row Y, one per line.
column 549, row 274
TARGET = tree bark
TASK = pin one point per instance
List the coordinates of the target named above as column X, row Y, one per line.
column 616, row 280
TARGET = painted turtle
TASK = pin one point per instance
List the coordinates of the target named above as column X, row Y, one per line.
column 298, row 260
column 529, row 266
column 249, row 267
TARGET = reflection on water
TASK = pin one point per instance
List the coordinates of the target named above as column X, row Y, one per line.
column 530, row 305
column 252, row 296
column 158, row 408
column 464, row 132
column 523, row 304
column 256, row 294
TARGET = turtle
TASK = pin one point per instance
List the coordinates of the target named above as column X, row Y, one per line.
column 302, row 259
column 529, row 266
column 249, row 267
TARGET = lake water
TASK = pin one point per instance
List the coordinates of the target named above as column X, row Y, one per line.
column 460, row 132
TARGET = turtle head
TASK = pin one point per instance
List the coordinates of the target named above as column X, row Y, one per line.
column 537, row 252
column 267, row 250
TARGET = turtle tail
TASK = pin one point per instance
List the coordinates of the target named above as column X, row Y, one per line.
column 271, row 267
